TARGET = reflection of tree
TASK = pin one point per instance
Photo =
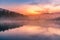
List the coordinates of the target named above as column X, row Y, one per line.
column 4, row 27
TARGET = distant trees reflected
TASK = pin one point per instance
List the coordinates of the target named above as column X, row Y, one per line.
column 4, row 27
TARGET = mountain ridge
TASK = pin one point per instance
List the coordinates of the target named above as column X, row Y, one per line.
column 4, row 13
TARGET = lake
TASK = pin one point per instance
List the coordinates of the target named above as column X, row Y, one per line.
column 31, row 30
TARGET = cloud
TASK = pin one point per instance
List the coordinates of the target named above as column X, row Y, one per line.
column 56, row 2
column 6, row 2
column 33, row 6
column 31, row 9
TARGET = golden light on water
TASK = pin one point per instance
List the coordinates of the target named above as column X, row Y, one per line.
column 33, row 30
column 37, row 30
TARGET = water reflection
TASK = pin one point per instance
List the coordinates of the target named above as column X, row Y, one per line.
column 8, row 24
column 33, row 30
column 30, row 32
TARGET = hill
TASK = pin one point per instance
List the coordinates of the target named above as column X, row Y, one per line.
column 10, row 14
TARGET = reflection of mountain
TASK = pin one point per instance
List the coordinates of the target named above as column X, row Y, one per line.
column 10, row 19
column 4, row 27
column 56, row 20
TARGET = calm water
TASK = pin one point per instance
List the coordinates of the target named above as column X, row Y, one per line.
column 32, row 30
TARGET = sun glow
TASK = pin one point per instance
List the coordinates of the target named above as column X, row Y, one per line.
column 35, row 30
column 33, row 10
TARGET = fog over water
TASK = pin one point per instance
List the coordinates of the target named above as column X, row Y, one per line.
column 30, row 29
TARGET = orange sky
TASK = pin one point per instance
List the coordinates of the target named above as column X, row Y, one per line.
column 34, row 9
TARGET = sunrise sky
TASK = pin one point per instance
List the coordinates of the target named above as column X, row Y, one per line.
column 28, row 7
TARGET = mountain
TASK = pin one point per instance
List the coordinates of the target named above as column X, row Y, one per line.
column 46, row 16
column 10, row 14
column 7, row 13
column 50, row 15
